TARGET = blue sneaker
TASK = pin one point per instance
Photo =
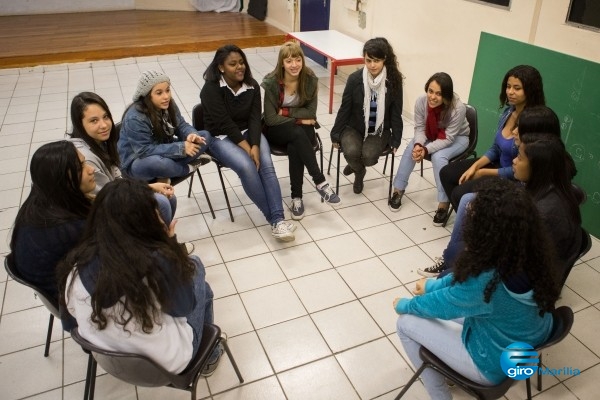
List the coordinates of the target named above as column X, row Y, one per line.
column 297, row 209
column 329, row 195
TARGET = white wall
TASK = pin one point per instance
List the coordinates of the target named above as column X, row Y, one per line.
column 442, row 35
column 27, row 7
column 280, row 14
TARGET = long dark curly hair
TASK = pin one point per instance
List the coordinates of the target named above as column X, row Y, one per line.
column 125, row 235
column 531, row 79
column 503, row 232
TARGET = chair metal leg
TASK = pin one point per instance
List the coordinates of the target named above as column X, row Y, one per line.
column 385, row 163
column 337, row 175
column 391, row 177
column 330, row 156
column 528, row 385
column 450, row 209
column 411, row 381
column 539, row 376
column 321, row 164
column 90, row 379
column 49, row 335
column 190, row 186
column 422, row 168
column 233, row 363
column 225, row 192
column 212, row 212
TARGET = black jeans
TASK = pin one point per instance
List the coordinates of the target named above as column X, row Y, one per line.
column 450, row 175
column 298, row 139
column 361, row 152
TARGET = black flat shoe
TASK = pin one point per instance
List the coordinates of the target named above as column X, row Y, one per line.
column 347, row 170
column 441, row 215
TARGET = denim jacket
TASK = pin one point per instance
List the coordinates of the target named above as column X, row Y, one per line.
column 136, row 139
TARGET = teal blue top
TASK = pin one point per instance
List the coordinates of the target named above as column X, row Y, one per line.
column 488, row 327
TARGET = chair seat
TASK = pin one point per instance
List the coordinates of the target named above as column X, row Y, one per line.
column 140, row 370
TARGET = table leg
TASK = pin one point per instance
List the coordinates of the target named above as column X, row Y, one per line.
column 331, row 81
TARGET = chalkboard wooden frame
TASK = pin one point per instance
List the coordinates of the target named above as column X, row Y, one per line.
column 572, row 89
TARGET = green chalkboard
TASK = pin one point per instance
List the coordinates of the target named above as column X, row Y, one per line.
column 572, row 88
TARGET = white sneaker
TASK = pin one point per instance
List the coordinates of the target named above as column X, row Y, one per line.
column 282, row 231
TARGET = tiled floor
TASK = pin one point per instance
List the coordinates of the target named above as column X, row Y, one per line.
column 310, row 319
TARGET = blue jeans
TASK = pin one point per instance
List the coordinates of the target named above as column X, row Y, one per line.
column 158, row 166
column 203, row 311
column 438, row 159
column 442, row 338
column 166, row 207
column 261, row 186
column 456, row 244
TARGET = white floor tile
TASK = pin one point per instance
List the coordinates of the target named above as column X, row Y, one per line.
column 231, row 316
column 345, row 249
column 385, row 238
column 255, row 272
column 250, row 358
column 378, row 358
column 268, row 388
column 346, row 326
column 368, row 277
column 322, row 290
column 320, row 380
column 293, row 343
column 272, row 304
column 301, row 260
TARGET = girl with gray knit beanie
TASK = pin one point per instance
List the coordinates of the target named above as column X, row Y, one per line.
column 155, row 142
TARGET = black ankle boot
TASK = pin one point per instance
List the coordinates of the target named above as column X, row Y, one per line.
column 358, row 181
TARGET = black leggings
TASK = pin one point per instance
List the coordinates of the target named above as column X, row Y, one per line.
column 298, row 139
column 450, row 175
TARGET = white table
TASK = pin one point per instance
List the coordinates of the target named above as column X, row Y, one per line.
column 339, row 48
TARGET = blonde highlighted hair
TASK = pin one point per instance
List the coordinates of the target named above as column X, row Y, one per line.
column 293, row 50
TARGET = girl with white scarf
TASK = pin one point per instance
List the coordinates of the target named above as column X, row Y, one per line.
column 370, row 116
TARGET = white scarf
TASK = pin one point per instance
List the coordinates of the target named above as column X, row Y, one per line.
column 376, row 85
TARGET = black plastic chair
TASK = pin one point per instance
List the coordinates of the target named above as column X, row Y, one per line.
column 563, row 321
column 586, row 245
column 279, row 150
column 50, row 303
column 140, row 370
column 198, row 123
column 471, row 116
column 386, row 152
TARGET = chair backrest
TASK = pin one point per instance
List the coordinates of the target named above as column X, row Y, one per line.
column 580, row 194
column 48, row 300
column 473, row 127
column 140, row 370
column 135, row 369
column 198, row 117
column 586, row 243
column 563, row 321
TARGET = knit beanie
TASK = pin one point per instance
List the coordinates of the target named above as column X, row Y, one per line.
column 147, row 82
